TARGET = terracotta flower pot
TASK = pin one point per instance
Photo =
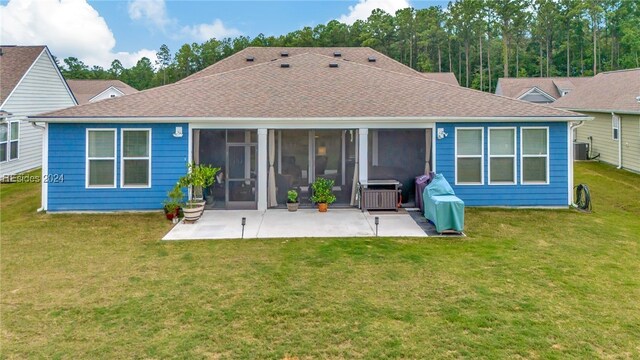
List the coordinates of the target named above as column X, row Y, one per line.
column 322, row 207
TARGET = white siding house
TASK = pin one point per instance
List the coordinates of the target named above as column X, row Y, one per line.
column 32, row 84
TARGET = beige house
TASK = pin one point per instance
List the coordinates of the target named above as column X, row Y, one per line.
column 613, row 99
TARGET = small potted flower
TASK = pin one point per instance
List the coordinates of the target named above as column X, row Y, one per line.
column 292, row 200
column 323, row 193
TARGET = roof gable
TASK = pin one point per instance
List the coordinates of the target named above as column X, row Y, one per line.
column 310, row 88
column 87, row 89
column 552, row 86
column 15, row 62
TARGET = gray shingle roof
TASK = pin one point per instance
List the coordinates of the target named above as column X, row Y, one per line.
column 607, row 91
column 310, row 88
column 516, row 87
column 85, row 90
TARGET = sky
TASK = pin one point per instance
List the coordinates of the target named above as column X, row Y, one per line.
column 97, row 32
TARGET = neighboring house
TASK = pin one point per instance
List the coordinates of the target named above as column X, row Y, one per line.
column 279, row 118
column 87, row 91
column 30, row 83
column 613, row 99
column 538, row 90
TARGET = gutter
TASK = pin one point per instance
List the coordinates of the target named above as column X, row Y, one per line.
column 255, row 121
column 572, row 127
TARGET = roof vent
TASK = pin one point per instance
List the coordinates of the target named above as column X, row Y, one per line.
column 372, row 59
column 284, row 65
column 284, row 53
column 337, row 54
column 250, row 58
column 333, row 65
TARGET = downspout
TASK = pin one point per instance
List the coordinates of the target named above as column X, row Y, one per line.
column 572, row 127
column 619, row 140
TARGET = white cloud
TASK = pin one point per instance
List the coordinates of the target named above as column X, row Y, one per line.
column 153, row 12
column 204, row 32
column 363, row 9
column 68, row 27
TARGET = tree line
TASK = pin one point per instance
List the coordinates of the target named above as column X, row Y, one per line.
column 478, row 40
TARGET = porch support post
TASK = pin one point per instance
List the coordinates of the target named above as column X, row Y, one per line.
column 363, row 164
column 262, row 170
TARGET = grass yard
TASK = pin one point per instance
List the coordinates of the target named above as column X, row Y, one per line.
column 524, row 284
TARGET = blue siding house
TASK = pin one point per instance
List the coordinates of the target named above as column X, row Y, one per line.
column 275, row 119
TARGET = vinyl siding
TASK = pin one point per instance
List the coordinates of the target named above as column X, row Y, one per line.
column 106, row 94
column 602, row 143
column 631, row 142
column 41, row 90
column 67, row 150
column 553, row 194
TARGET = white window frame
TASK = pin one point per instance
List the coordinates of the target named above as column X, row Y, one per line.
column 481, row 156
column 615, row 127
column 522, row 156
column 514, row 156
column 6, row 143
column 122, row 158
column 9, row 141
column 115, row 156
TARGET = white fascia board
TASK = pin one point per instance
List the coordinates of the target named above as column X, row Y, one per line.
column 540, row 91
column 105, row 90
column 311, row 123
column 22, row 78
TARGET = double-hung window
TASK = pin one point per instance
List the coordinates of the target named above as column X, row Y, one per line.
column 136, row 158
column 615, row 127
column 9, row 140
column 502, row 155
column 4, row 141
column 534, row 155
column 469, row 156
column 101, row 158
column 14, row 137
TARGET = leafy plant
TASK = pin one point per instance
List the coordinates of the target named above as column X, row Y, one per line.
column 174, row 200
column 198, row 177
column 323, row 191
column 292, row 196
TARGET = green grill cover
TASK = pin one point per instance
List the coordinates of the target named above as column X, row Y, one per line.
column 442, row 207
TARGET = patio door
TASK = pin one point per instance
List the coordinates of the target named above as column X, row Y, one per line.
column 241, row 171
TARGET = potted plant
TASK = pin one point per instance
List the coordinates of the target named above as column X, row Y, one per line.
column 173, row 203
column 197, row 178
column 292, row 200
column 323, row 193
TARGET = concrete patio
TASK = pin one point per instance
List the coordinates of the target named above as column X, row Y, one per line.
column 280, row 223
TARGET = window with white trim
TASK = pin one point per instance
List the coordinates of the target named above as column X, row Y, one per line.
column 502, row 155
column 615, row 127
column 14, row 137
column 101, row 158
column 4, row 141
column 534, row 155
column 136, row 158
column 469, row 156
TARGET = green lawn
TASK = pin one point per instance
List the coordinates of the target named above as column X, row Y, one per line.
column 523, row 284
